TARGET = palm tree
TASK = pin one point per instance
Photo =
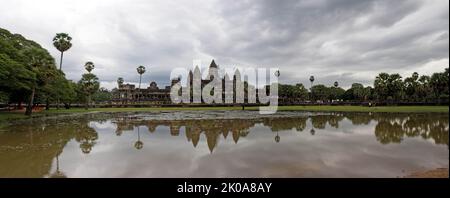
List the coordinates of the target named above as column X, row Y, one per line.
column 140, row 70
column 89, row 82
column 311, row 79
column 89, row 66
column 119, row 82
column 119, row 85
column 62, row 42
column 277, row 73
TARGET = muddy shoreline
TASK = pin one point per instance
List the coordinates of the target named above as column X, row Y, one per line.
column 436, row 173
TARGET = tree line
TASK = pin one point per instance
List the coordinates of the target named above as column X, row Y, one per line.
column 387, row 88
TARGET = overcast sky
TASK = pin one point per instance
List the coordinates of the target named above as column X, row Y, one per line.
column 337, row 40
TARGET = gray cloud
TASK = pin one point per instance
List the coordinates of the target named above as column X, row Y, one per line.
column 341, row 40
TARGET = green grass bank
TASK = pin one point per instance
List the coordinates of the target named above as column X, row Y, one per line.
column 388, row 109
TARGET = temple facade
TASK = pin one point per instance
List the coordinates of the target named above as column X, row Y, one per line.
column 129, row 94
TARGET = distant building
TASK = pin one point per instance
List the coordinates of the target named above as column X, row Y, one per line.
column 128, row 93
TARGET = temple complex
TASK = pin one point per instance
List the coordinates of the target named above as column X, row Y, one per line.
column 128, row 93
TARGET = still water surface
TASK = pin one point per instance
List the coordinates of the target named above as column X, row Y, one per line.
column 225, row 144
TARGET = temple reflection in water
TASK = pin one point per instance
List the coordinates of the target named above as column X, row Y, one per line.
column 30, row 148
column 390, row 128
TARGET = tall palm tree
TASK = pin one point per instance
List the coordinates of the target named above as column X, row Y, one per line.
column 119, row 82
column 89, row 66
column 311, row 79
column 140, row 70
column 89, row 81
column 334, row 91
column 119, row 86
column 62, row 42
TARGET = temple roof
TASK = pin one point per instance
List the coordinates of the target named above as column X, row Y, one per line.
column 213, row 64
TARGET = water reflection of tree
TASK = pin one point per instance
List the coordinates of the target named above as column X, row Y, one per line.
column 387, row 132
column 85, row 135
column 282, row 124
column 58, row 173
column 321, row 121
column 392, row 128
column 359, row 118
column 138, row 144
column 28, row 149
column 126, row 124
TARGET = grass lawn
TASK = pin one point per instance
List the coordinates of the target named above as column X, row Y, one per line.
column 394, row 109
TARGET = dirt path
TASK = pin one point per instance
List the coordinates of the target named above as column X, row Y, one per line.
column 436, row 173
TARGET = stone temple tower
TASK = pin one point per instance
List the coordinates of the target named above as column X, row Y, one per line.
column 213, row 70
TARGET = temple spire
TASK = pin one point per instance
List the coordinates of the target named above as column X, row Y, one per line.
column 213, row 64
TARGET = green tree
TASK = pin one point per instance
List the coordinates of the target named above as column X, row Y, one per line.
column 424, row 90
column 102, row 95
column 336, row 93
column 320, row 92
column 14, row 76
column 411, row 87
column 388, row 87
column 89, row 85
column 396, row 86
column 70, row 93
column 17, row 76
column 300, row 93
column 358, row 91
column 439, row 84
column 43, row 67
column 56, row 88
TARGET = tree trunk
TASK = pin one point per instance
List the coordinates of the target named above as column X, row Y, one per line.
column 60, row 61
column 88, row 101
column 30, row 103
column 47, row 104
column 139, row 92
column 60, row 67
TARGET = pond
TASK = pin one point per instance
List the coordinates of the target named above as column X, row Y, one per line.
column 225, row 144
